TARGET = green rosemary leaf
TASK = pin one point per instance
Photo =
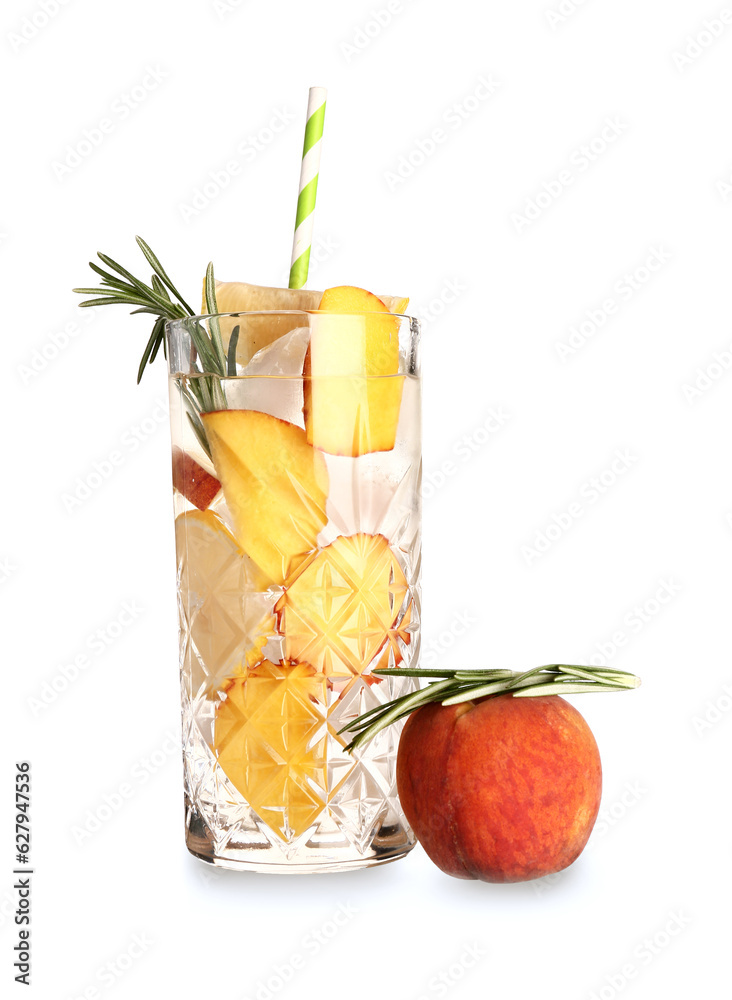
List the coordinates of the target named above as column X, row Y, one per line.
column 189, row 399
column 621, row 676
column 100, row 270
column 471, row 675
column 231, row 356
column 209, row 290
column 475, row 691
column 537, row 690
column 213, row 322
column 108, row 278
column 159, row 287
column 199, row 391
column 624, row 683
column 218, row 399
column 221, row 401
column 565, row 667
column 412, row 672
column 106, row 301
column 147, row 354
column 194, row 414
column 95, row 291
column 113, row 296
column 146, row 309
column 587, row 675
column 160, row 340
column 191, row 394
column 160, row 271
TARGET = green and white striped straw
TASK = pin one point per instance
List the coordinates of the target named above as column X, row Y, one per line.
column 308, row 188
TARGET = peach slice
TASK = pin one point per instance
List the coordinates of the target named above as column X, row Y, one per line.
column 189, row 478
column 275, row 486
column 352, row 392
column 270, row 738
column 228, row 617
column 340, row 608
column 239, row 296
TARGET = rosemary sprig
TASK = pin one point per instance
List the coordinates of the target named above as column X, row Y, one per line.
column 120, row 287
column 456, row 686
column 123, row 288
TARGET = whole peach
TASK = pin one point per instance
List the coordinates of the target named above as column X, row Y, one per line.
column 501, row 789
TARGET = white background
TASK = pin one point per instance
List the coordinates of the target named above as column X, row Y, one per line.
column 650, row 380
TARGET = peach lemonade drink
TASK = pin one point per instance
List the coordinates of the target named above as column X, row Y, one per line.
column 296, row 481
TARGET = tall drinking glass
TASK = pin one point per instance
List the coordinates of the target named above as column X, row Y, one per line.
column 297, row 522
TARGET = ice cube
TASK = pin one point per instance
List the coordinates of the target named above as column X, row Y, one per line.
column 286, row 356
column 272, row 381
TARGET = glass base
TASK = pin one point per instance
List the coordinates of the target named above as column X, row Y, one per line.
column 388, row 844
column 278, row 867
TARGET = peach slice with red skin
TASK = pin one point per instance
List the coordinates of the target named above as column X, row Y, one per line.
column 192, row 481
column 352, row 389
column 275, row 486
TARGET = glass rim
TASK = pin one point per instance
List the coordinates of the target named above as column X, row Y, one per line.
column 182, row 333
column 284, row 312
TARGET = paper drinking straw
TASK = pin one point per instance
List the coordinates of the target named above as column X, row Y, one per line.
column 308, row 188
